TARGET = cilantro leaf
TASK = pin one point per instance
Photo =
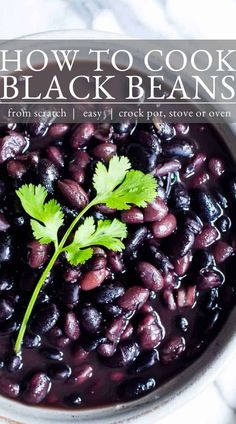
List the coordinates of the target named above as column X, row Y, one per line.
column 78, row 256
column 49, row 214
column 105, row 180
column 137, row 188
column 119, row 188
column 32, row 199
column 107, row 234
column 85, row 231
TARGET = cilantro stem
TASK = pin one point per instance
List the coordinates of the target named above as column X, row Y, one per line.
column 32, row 301
column 45, row 273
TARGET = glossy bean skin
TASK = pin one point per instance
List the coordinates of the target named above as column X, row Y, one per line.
column 165, row 227
column 178, row 149
column 207, row 237
column 136, row 388
column 150, row 332
column 172, row 349
column 150, row 276
column 155, row 211
column 133, row 298
column 222, row 251
column 73, row 193
column 81, row 135
column 93, row 279
column 132, row 216
column 125, row 354
column 37, row 388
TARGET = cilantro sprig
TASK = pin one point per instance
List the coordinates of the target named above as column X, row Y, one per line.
column 117, row 187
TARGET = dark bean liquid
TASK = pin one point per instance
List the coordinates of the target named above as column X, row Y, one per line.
column 121, row 325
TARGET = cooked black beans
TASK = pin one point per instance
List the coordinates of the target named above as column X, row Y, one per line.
column 144, row 361
column 48, row 174
column 6, row 247
column 37, row 388
column 51, row 353
column 178, row 148
column 180, row 198
column 125, row 354
column 135, row 388
column 91, row 319
column 205, row 205
column 108, row 293
column 59, row 371
column 44, row 319
column 116, row 327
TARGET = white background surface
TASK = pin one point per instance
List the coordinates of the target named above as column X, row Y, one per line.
column 144, row 19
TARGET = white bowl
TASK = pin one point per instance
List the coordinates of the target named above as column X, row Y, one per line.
column 169, row 396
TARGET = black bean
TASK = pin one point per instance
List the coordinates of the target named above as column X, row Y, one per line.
column 73, row 400
column 123, row 127
column 135, row 388
column 37, row 388
column 12, row 145
column 223, row 223
column 8, row 327
column 73, row 193
column 81, row 135
column 108, row 293
column 150, row 276
column 9, row 387
column 37, row 129
column 6, row 309
column 180, row 243
column 212, row 299
column 157, row 257
column 125, row 354
column 71, row 326
column 178, row 148
column 228, row 181
column 201, row 259
column 164, row 130
column 4, row 224
column 172, row 349
column 13, row 363
column 31, row 341
column 69, row 293
column 221, row 199
column 6, row 282
column 133, row 298
column 59, row 371
column 143, row 152
column 44, row 319
column 209, row 279
column 150, row 332
column 135, row 240
column 180, row 198
column 111, row 310
column 182, row 323
column 190, row 221
column 6, row 247
column 91, row 319
column 48, row 174
column 52, row 353
column 144, row 361
column 148, row 140
column 93, row 342
column 205, row 205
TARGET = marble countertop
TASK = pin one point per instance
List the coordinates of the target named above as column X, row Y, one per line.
column 143, row 19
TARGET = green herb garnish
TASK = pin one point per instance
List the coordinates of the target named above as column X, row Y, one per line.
column 116, row 187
